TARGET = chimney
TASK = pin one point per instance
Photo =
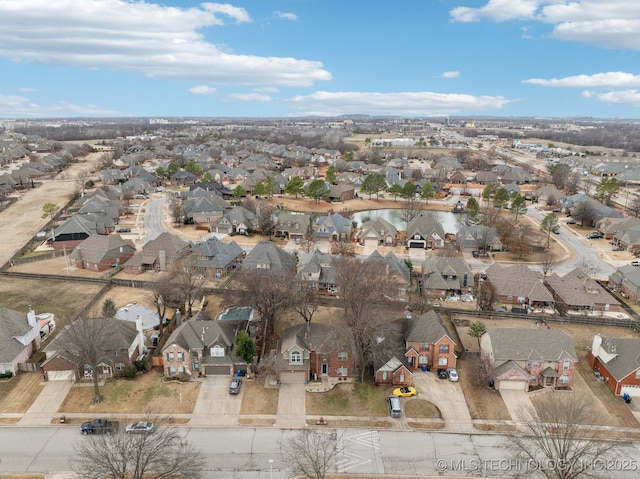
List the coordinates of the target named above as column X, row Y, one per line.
column 31, row 318
column 596, row 345
column 162, row 259
column 178, row 318
column 140, row 332
column 464, row 282
column 79, row 254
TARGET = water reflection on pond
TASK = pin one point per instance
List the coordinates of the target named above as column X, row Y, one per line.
column 450, row 221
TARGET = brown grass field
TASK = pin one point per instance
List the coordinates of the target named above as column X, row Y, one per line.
column 17, row 393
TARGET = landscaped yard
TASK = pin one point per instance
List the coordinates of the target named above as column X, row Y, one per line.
column 352, row 399
column 19, row 392
column 147, row 393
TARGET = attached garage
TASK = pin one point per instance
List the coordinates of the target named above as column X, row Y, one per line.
column 417, row 244
column 512, row 385
column 298, row 377
column 61, row 375
column 217, row 370
column 633, row 391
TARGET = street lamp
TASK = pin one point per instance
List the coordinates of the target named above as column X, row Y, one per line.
column 270, row 468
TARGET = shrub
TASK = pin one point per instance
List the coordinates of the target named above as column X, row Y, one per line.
column 6, row 375
column 130, row 371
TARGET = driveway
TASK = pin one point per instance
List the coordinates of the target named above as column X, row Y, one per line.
column 292, row 403
column 215, row 406
column 514, row 400
column 46, row 405
column 448, row 397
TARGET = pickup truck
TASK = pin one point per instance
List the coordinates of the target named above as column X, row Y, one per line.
column 99, row 426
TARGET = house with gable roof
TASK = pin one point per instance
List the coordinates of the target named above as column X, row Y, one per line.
column 314, row 350
column 519, row 286
column 443, row 276
column 425, row 232
column 377, row 232
column 19, row 338
column 238, row 220
column 73, row 231
column 397, row 273
column 626, row 281
column 332, row 228
column 292, row 225
column 159, row 254
column 617, row 360
column 102, row 252
column 217, row 259
column 578, row 292
column 268, row 258
column 203, row 347
column 518, row 358
column 315, row 271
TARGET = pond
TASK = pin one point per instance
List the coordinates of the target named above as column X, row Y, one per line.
column 450, row 221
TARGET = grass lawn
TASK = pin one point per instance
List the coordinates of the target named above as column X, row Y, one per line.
column 351, row 399
column 19, row 392
column 257, row 399
column 419, row 408
column 147, row 393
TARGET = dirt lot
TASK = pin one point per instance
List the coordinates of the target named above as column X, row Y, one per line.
column 147, row 393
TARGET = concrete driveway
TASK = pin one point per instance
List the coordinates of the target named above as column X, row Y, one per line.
column 46, row 405
column 215, row 406
column 448, row 397
column 514, row 400
column 292, row 403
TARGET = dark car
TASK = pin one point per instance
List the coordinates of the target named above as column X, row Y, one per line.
column 474, row 254
column 234, row 388
column 595, row 235
column 442, row 374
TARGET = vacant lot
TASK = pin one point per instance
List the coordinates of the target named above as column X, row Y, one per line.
column 147, row 393
column 17, row 393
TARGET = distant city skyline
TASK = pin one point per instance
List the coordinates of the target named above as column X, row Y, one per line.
column 291, row 58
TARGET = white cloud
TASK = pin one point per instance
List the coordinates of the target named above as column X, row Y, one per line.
column 22, row 107
column 598, row 80
column 625, row 97
column 285, row 16
column 607, row 23
column 404, row 103
column 203, row 90
column 151, row 39
column 451, row 74
column 248, row 97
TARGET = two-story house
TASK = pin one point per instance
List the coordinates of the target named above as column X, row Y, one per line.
column 617, row 360
column 425, row 232
column 520, row 358
column 315, row 350
column 443, row 276
column 202, row 347
column 19, row 338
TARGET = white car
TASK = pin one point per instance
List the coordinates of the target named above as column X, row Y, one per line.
column 453, row 375
column 141, row 427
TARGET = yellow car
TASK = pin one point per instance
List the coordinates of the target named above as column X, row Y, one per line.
column 405, row 392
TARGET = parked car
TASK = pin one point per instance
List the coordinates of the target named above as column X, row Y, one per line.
column 99, row 426
column 635, row 262
column 404, row 392
column 453, row 375
column 595, row 235
column 236, row 384
column 617, row 248
column 474, row 254
column 140, row 427
column 442, row 374
column 571, row 222
column 123, row 230
column 395, row 409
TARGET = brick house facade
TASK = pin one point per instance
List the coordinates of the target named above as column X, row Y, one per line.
column 618, row 363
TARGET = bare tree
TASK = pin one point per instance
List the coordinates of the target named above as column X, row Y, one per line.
column 486, row 296
column 410, row 208
column 584, row 212
column 266, row 218
column 634, row 206
column 188, row 279
column 306, row 303
column 311, row 453
column 561, row 439
column 163, row 454
column 547, row 262
column 165, row 295
column 364, row 287
column 177, row 212
column 86, row 340
column 521, row 241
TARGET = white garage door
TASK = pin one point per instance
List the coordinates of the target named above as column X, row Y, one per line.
column 61, row 375
column 293, row 378
column 630, row 390
column 513, row 385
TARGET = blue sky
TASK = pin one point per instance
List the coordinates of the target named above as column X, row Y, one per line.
column 282, row 58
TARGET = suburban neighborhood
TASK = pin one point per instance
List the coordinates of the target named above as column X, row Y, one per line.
column 226, row 280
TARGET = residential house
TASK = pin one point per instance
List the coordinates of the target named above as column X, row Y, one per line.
column 377, row 232
column 332, row 228
column 19, row 338
column 486, row 178
column 620, row 230
column 315, row 271
column 341, row 192
column 202, row 347
column 576, row 292
column 293, row 225
column 122, row 344
column 183, row 178
column 73, row 231
column 159, row 254
column 205, row 208
column 626, row 281
column 617, row 360
column 100, row 253
column 425, row 232
column 425, row 344
column 217, row 259
column 479, row 238
column 548, row 195
column 238, row 220
column 629, row 239
column 396, row 272
column 269, row 259
column 519, row 358
column 442, row 277
column 519, row 286
column 315, row 350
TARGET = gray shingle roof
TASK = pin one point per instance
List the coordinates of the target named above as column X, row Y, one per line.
column 530, row 344
column 626, row 353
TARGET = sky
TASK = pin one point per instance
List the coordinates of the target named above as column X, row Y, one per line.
column 294, row 58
